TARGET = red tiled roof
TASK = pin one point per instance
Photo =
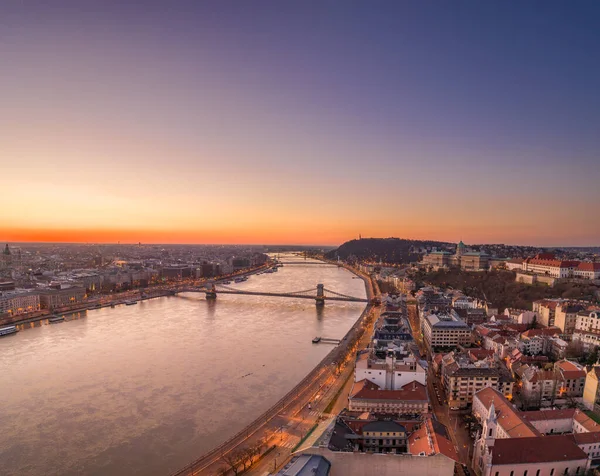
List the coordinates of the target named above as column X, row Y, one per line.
column 549, row 260
column 569, row 370
column 586, row 438
column 541, row 415
column 367, row 390
column 507, row 417
column 546, row 331
column 545, row 449
column 589, row 267
column 479, row 354
column 432, row 438
column 548, row 304
column 585, row 421
column 542, row 375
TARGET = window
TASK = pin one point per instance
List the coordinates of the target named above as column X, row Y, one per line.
column 525, row 473
column 537, row 473
column 512, row 473
column 490, row 432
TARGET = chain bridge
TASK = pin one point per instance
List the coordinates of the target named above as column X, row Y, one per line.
column 320, row 294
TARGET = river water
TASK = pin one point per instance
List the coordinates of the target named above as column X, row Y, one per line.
column 146, row 389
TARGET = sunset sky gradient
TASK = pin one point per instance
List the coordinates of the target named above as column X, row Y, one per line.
column 302, row 122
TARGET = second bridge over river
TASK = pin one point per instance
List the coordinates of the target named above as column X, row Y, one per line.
column 320, row 294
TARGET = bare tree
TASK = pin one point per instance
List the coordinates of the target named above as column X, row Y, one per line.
column 233, row 460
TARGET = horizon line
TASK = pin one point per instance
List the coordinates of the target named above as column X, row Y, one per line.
column 276, row 244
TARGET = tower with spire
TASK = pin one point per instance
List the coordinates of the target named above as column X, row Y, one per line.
column 485, row 440
column 460, row 248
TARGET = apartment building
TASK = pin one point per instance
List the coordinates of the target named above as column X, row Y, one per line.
column 16, row 302
column 567, row 379
column 565, row 316
column 463, row 376
column 546, row 310
column 591, row 391
column 445, row 330
column 587, row 329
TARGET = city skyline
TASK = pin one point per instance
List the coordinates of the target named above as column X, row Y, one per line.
column 301, row 123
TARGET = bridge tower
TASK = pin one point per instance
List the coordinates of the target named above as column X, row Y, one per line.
column 320, row 295
column 211, row 292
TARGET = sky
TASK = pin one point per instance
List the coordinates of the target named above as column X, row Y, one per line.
column 306, row 122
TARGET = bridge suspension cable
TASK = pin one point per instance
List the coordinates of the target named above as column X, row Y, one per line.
column 304, row 292
column 228, row 288
column 339, row 294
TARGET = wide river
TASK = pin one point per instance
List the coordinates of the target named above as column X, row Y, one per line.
column 146, row 389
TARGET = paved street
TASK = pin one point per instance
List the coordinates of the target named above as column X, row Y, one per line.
column 293, row 432
column 452, row 419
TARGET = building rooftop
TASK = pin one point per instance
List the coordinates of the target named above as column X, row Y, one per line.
column 506, row 415
column 384, row 425
column 306, row 465
column 585, row 421
column 365, row 389
column 542, row 415
column 545, row 449
column 431, row 438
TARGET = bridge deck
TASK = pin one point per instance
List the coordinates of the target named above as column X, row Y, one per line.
column 288, row 295
column 322, row 263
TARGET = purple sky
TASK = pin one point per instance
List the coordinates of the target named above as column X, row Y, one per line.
column 301, row 122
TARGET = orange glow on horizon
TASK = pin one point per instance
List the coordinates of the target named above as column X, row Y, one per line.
column 168, row 236
column 318, row 233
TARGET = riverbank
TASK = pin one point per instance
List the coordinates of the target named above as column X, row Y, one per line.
column 257, row 433
column 112, row 300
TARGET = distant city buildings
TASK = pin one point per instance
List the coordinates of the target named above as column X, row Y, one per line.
column 467, row 260
column 47, row 277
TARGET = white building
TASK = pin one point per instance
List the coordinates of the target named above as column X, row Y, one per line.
column 391, row 373
column 587, row 329
column 587, row 271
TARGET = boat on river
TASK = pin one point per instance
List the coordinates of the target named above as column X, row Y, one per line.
column 9, row 330
column 130, row 303
column 56, row 319
column 316, row 340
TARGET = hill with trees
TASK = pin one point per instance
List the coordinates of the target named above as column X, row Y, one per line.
column 386, row 250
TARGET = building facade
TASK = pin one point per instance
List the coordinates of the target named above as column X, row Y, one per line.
column 14, row 303
column 445, row 331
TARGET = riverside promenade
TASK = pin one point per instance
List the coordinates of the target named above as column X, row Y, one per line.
column 115, row 299
column 280, row 424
